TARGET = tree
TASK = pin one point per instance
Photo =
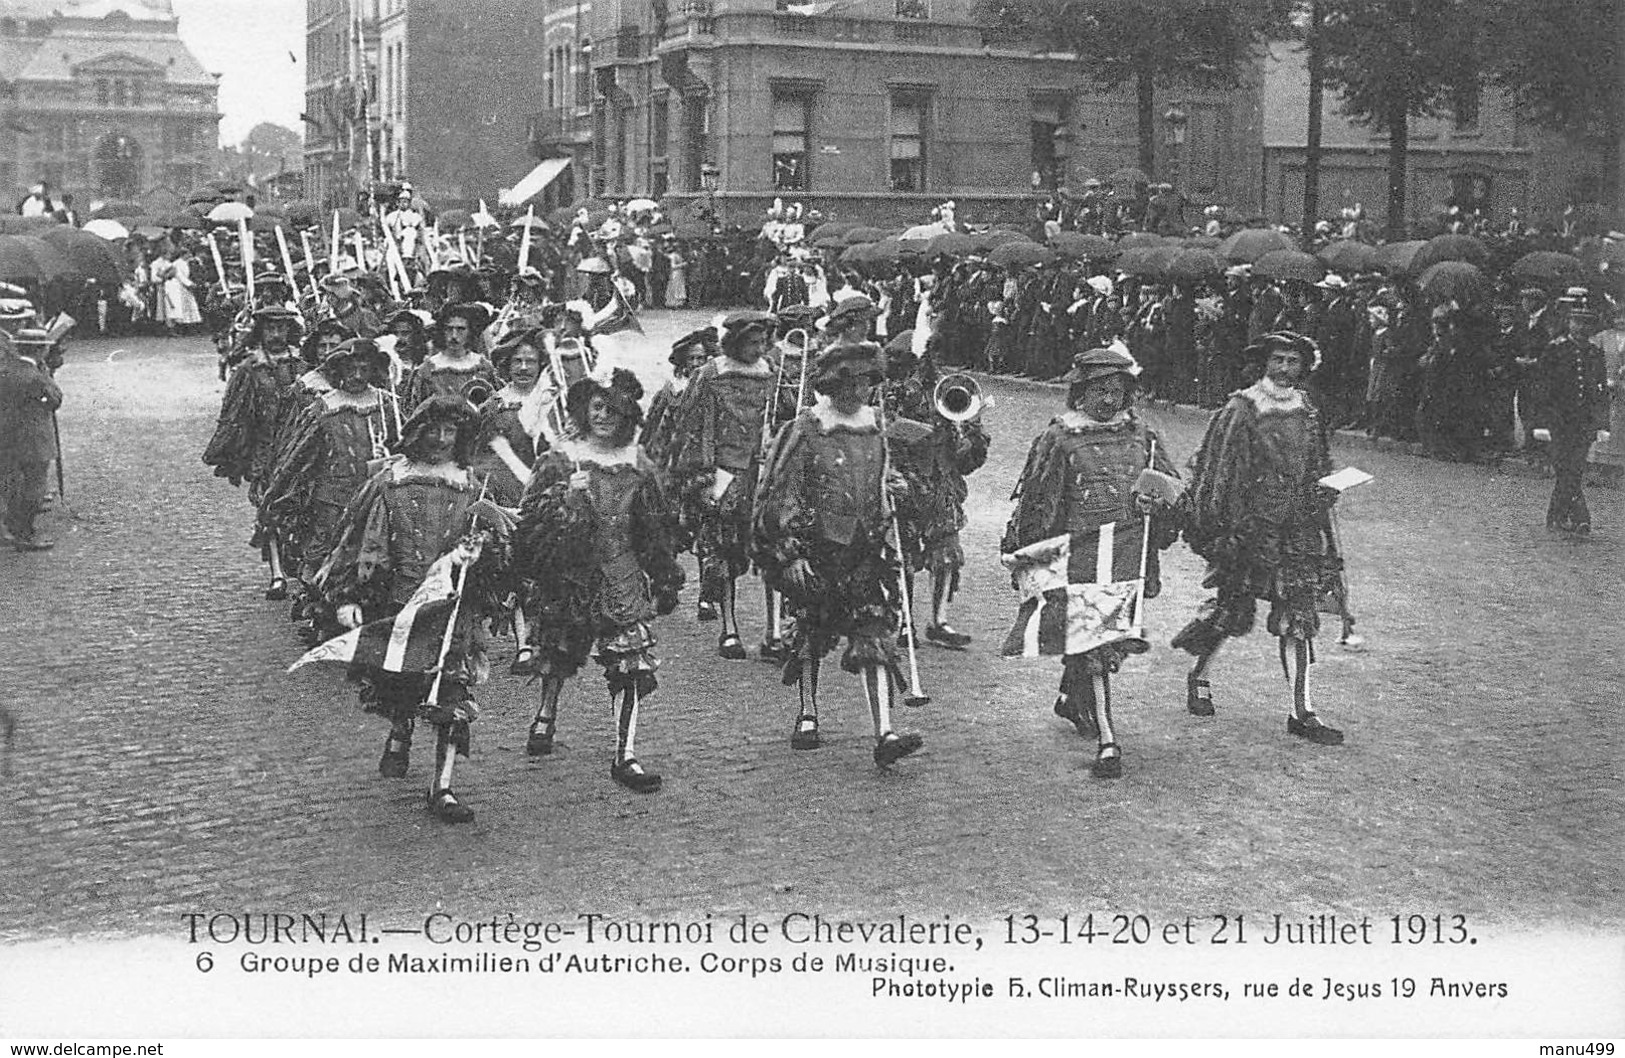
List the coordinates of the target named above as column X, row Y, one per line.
column 267, row 150
column 1393, row 60
column 1561, row 60
column 1146, row 43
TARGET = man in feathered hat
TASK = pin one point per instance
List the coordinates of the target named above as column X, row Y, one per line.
column 257, row 396
column 323, row 462
column 1084, row 472
column 343, row 302
column 458, row 365
column 727, row 409
column 597, row 539
column 407, row 515
column 1255, row 510
column 824, row 539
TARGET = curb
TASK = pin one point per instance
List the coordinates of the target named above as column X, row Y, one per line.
column 1603, row 475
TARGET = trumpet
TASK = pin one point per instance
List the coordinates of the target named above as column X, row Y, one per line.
column 958, row 398
column 378, row 433
column 477, row 391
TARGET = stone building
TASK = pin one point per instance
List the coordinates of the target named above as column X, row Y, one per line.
column 1482, row 152
column 437, row 92
column 870, row 109
column 101, row 98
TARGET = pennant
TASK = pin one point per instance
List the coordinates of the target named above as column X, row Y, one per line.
column 408, row 642
column 1078, row 593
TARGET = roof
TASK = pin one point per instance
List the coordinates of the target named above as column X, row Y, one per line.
column 140, row 10
column 57, row 56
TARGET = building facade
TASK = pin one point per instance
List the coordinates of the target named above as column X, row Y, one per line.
column 440, row 93
column 1480, row 153
column 868, row 109
column 102, row 99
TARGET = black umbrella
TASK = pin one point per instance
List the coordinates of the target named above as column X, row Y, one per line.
column 1449, row 248
column 1128, row 175
column 1147, row 262
column 1020, row 253
column 953, row 244
column 1137, row 239
column 1079, row 246
column 987, row 240
column 853, row 236
column 1290, row 264
column 1249, row 244
column 1396, row 257
column 1454, row 281
column 1348, row 256
column 91, row 256
column 1195, row 265
column 1548, row 266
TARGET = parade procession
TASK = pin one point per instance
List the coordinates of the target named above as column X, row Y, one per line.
column 872, row 523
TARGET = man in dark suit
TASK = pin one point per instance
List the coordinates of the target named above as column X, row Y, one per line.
column 28, row 402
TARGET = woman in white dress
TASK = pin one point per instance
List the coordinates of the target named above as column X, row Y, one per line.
column 180, row 304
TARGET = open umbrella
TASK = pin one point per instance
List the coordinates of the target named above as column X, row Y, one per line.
column 261, row 222
column 12, row 224
column 857, row 254
column 853, row 236
column 1396, row 257
column 28, row 257
column 885, row 252
column 924, row 231
column 1020, row 253
column 1449, row 248
column 1346, row 256
column 90, row 256
column 1454, row 281
column 830, row 233
column 453, row 219
column 534, row 223
column 1140, row 239
column 117, row 208
column 1196, row 265
column 107, row 229
column 641, row 205
column 1128, row 174
column 1078, row 246
column 952, row 244
column 1249, row 244
column 913, row 246
column 987, row 240
column 1290, row 264
column 230, row 212
column 1548, row 266
column 1202, row 242
column 271, row 209
column 1146, row 262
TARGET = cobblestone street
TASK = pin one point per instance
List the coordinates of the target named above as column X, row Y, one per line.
column 164, row 763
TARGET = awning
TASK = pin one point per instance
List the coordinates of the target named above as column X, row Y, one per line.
column 534, row 181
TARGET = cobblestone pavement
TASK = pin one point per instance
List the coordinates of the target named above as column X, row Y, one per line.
column 164, row 762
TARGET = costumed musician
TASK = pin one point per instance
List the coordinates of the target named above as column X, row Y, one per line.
column 1083, row 474
column 597, row 542
column 458, row 360
column 823, row 539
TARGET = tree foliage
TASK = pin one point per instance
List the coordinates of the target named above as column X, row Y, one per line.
column 1144, row 43
column 1561, row 59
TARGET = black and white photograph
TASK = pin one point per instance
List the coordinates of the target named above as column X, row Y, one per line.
column 849, row 519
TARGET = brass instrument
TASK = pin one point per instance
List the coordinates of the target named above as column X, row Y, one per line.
column 477, row 391
column 958, row 398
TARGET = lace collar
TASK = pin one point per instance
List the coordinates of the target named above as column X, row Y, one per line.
column 449, row 473
column 314, row 381
column 727, row 365
column 861, row 421
column 509, row 397
column 1074, row 421
column 578, row 451
column 336, row 399
column 1268, row 396
column 470, row 361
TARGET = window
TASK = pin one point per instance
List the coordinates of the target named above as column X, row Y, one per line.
column 121, row 93
column 104, row 92
column 1048, row 163
column 583, row 79
column 913, row 9
column 550, row 99
column 135, row 93
column 790, row 142
column 908, row 143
